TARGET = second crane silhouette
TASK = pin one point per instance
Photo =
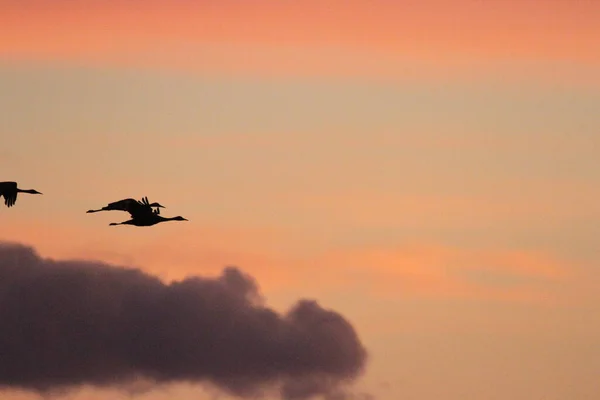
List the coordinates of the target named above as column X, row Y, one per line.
column 142, row 212
column 10, row 190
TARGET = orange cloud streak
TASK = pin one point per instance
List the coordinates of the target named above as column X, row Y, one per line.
column 428, row 266
column 444, row 271
column 297, row 36
column 406, row 271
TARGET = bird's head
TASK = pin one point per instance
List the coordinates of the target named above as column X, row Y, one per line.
column 179, row 218
column 157, row 205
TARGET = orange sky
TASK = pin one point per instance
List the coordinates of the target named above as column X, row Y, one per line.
column 428, row 169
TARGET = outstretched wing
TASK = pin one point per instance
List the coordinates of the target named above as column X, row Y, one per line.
column 122, row 205
column 9, row 191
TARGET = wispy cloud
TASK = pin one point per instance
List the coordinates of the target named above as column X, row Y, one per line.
column 446, row 271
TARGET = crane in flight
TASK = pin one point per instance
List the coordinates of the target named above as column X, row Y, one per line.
column 129, row 205
column 148, row 220
column 10, row 190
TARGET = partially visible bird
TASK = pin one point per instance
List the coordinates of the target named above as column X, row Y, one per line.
column 132, row 206
column 9, row 190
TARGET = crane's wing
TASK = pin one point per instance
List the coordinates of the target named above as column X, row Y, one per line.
column 142, row 203
column 10, row 199
column 7, row 187
column 9, row 191
column 139, row 209
column 122, row 205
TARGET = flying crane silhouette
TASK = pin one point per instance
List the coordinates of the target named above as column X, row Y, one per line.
column 129, row 205
column 10, row 190
column 149, row 219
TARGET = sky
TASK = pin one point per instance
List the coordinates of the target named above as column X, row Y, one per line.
column 422, row 174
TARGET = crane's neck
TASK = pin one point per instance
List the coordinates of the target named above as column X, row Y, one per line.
column 169, row 218
column 31, row 191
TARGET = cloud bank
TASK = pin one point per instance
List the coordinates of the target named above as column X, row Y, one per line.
column 72, row 323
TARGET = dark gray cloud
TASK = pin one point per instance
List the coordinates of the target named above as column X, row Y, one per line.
column 71, row 323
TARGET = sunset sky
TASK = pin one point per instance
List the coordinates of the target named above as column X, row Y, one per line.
column 428, row 169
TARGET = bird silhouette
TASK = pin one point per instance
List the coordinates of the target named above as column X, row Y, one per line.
column 9, row 190
column 147, row 219
column 132, row 206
